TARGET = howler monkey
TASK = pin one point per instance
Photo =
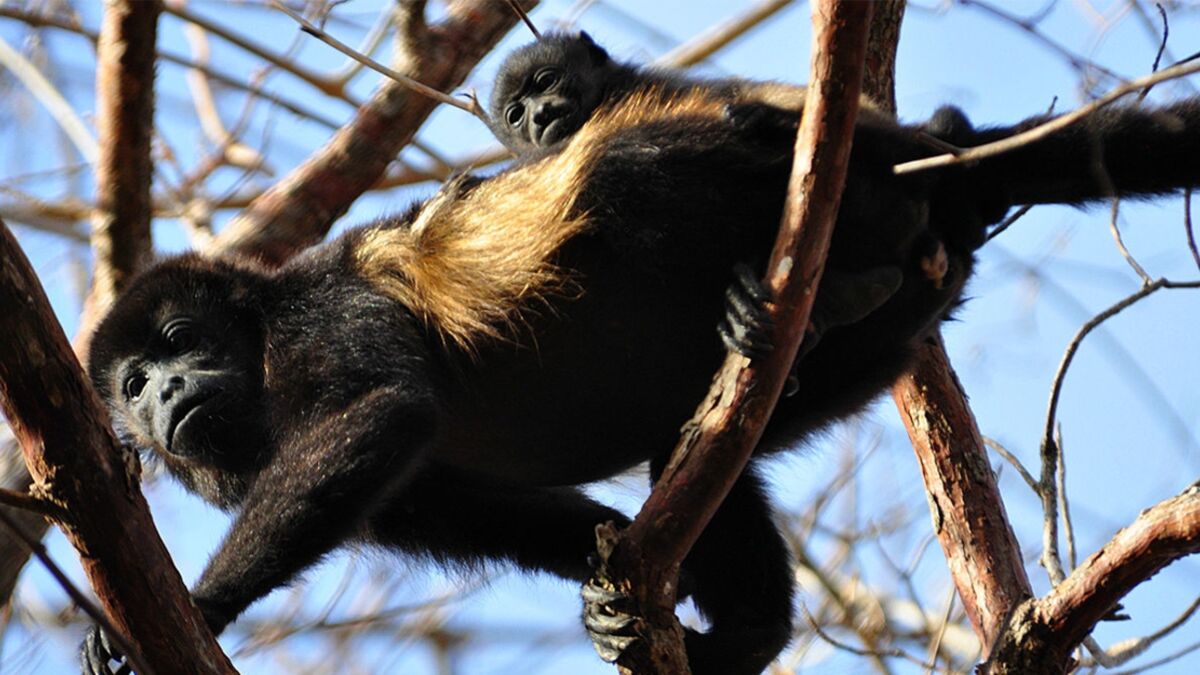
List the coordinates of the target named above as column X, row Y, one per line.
column 546, row 90
column 441, row 383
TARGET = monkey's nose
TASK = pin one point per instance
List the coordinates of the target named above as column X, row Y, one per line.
column 548, row 111
column 168, row 389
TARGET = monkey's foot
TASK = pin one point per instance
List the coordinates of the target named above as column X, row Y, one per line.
column 608, row 619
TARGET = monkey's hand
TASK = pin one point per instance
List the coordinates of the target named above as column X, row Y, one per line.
column 844, row 298
column 609, row 617
column 99, row 655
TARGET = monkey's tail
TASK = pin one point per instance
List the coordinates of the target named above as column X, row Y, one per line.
column 1125, row 151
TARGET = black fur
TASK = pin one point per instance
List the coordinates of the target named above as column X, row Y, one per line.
column 336, row 416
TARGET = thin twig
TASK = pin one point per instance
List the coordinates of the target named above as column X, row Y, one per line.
column 325, row 85
column 1195, row 646
column 718, row 36
column 1187, row 224
column 1042, row 130
column 1008, row 222
column 516, row 8
column 1050, row 452
column 1127, row 650
column 1073, row 347
column 1012, row 460
column 870, row 653
column 370, row 43
column 1064, row 505
column 1115, row 229
column 407, row 81
column 1162, row 47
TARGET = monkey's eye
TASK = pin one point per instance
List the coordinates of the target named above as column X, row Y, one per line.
column 134, row 384
column 180, row 335
column 545, row 79
column 514, row 113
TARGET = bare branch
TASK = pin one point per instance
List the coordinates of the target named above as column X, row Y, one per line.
column 94, row 613
column 968, row 513
column 1043, row 633
column 407, row 81
column 51, row 99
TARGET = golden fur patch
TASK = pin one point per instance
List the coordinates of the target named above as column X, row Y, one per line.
column 472, row 260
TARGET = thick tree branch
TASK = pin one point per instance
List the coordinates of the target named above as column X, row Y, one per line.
column 78, row 465
column 121, row 219
column 720, row 438
column 968, row 515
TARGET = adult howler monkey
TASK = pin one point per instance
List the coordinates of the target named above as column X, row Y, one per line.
column 441, row 383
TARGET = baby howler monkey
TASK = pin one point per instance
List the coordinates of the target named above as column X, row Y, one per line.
column 546, row 90
column 441, row 383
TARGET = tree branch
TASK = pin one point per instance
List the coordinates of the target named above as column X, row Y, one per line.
column 720, row 438
column 78, row 465
column 1042, row 634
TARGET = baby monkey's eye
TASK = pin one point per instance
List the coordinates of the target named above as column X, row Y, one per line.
column 545, row 78
column 514, row 113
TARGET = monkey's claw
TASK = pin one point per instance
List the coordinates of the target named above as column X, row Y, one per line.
column 607, row 619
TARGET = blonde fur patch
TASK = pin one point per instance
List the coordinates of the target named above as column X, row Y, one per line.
column 469, row 264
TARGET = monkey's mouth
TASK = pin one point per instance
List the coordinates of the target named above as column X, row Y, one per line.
column 189, row 413
column 557, row 129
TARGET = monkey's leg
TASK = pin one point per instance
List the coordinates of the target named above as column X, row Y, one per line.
column 741, row 580
column 547, row 529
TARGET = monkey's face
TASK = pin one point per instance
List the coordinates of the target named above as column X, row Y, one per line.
column 179, row 362
column 546, row 91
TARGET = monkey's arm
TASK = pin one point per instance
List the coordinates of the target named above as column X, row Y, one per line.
column 320, row 487
column 316, row 491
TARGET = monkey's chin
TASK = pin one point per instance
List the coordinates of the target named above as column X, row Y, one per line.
column 189, row 439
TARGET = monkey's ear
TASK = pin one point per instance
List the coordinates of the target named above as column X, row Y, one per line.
column 596, row 52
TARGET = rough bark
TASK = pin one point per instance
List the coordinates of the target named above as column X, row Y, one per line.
column 968, row 514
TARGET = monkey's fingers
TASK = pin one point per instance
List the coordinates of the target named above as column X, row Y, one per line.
column 97, row 653
column 607, row 620
column 746, row 326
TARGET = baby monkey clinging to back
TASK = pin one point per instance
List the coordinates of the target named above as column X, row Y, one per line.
column 546, row 90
